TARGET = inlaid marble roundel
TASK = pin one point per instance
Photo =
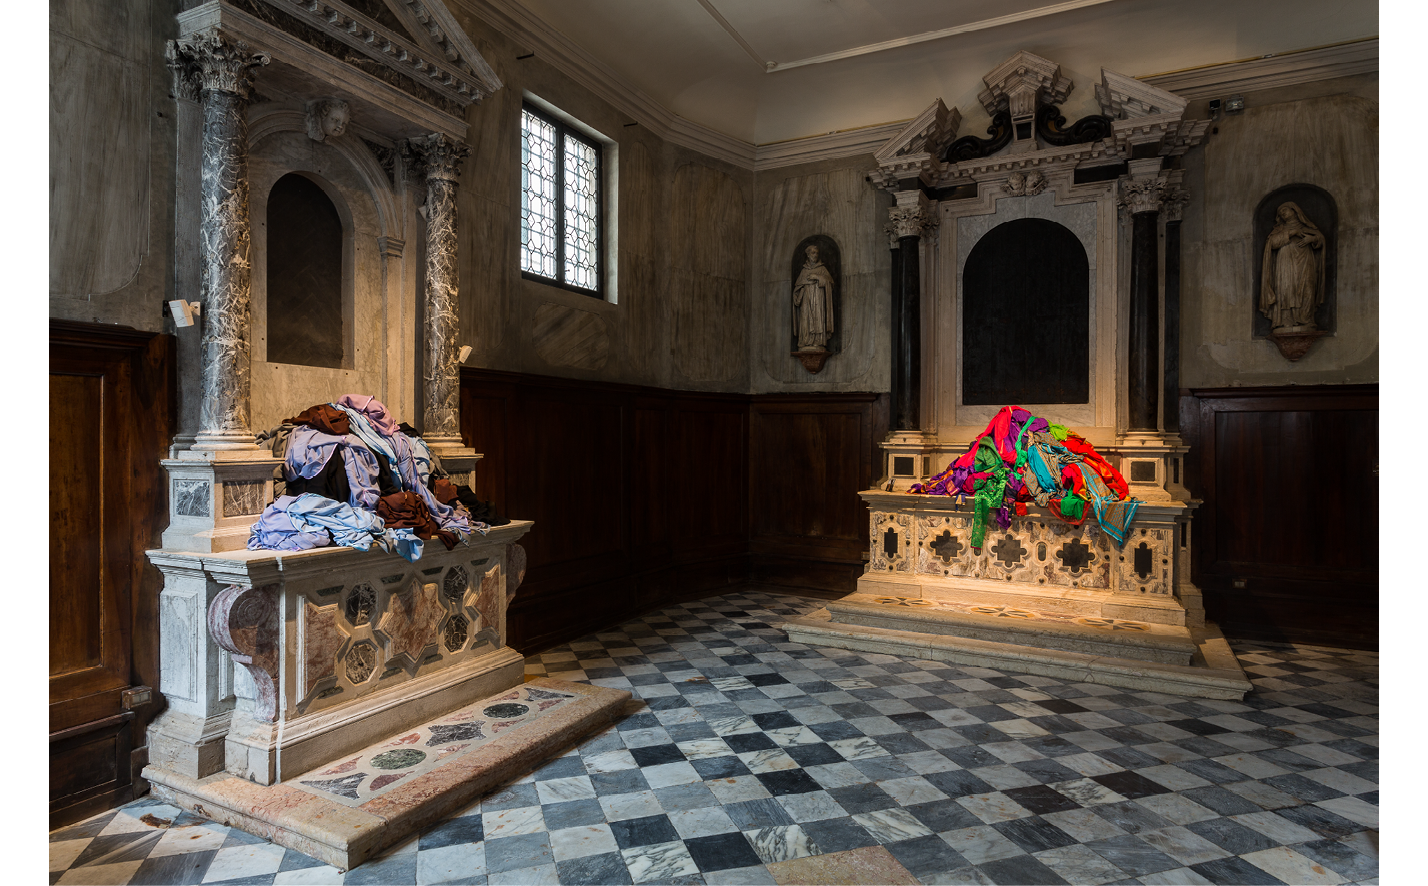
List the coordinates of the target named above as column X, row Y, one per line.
column 398, row 759
column 361, row 600
column 361, row 661
column 505, row 711
column 455, row 585
column 456, row 630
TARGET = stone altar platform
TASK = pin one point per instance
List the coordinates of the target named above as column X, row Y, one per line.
column 1043, row 597
column 352, row 806
column 280, row 666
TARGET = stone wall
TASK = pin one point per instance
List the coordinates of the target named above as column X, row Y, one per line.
column 830, row 197
column 1323, row 134
column 676, row 315
column 111, row 168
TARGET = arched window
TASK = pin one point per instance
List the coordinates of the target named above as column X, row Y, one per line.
column 304, row 250
column 1026, row 317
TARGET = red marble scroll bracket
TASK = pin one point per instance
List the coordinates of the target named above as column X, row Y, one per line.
column 244, row 621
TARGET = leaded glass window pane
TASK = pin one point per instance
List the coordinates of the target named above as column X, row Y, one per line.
column 582, row 213
column 539, row 212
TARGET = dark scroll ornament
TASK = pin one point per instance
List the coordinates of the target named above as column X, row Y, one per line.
column 970, row 147
column 1051, row 126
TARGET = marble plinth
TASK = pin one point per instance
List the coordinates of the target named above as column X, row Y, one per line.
column 353, row 805
column 1041, row 596
column 274, row 661
column 1213, row 672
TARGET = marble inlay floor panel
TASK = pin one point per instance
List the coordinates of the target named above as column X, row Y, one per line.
column 750, row 759
column 378, row 769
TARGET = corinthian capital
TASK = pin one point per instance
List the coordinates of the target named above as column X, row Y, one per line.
column 438, row 156
column 212, row 60
column 1146, row 195
column 1173, row 206
column 910, row 221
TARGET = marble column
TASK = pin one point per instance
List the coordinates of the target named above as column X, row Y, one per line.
column 439, row 158
column 1171, row 212
column 908, row 220
column 1141, row 200
column 222, row 70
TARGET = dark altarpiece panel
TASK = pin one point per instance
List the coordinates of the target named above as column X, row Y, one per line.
column 1026, row 310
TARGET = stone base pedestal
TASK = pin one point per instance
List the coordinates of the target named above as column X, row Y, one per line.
column 1294, row 341
column 457, row 460
column 215, row 497
column 812, row 359
column 189, row 745
column 907, row 455
column 1153, row 465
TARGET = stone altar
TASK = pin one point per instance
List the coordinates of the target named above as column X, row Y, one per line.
column 1042, row 597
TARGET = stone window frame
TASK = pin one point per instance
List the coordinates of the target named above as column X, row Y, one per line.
column 606, row 151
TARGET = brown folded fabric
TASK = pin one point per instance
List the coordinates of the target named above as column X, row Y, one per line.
column 444, row 490
column 324, row 418
column 407, row 510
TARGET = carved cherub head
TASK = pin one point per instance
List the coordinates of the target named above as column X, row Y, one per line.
column 327, row 117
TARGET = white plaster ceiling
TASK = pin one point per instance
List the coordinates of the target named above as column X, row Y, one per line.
column 678, row 54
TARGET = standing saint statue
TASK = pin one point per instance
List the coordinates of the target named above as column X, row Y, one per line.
column 1292, row 281
column 813, row 303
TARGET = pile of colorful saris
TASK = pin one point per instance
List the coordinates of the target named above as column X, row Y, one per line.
column 351, row 475
column 1021, row 459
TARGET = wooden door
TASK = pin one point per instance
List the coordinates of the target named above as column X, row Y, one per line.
column 109, row 419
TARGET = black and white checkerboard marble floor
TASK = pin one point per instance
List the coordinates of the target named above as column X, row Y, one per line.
column 745, row 750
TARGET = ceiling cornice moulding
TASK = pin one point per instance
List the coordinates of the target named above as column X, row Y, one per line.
column 553, row 47
column 1283, row 69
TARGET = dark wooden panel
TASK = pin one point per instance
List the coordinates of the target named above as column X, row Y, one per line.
column 76, row 498
column 638, row 495
column 111, row 417
column 1286, row 542
column 810, row 456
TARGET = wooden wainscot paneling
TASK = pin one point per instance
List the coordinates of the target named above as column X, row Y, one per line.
column 111, row 416
column 638, row 495
column 810, row 455
column 1286, row 542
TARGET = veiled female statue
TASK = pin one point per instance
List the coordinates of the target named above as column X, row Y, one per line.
column 813, row 303
column 1292, row 281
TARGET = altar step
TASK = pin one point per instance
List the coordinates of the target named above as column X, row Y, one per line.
column 351, row 808
column 1133, row 655
column 1106, row 637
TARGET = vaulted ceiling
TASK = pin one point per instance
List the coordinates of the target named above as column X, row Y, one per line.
column 751, row 69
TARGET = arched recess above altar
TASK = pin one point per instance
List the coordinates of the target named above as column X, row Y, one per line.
column 966, row 345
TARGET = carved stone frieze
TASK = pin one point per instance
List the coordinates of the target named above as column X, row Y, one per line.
column 892, row 542
column 1145, row 563
column 244, row 622
column 1123, row 98
column 1035, row 552
column 1024, row 184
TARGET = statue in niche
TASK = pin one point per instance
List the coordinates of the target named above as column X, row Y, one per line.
column 327, row 117
column 1292, row 277
column 815, row 288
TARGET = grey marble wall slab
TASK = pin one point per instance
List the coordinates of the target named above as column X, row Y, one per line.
column 565, row 336
column 1328, row 140
column 191, row 498
column 832, row 199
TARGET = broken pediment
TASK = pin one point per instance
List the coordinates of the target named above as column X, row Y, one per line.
column 1123, row 97
column 405, row 64
column 1021, row 83
column 928, row 133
